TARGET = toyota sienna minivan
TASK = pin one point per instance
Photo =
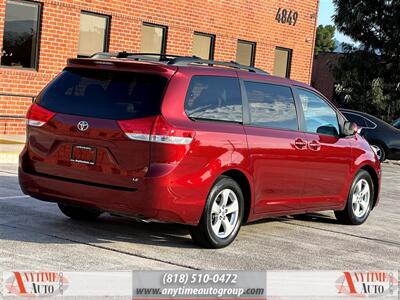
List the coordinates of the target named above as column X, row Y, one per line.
column 183, row 140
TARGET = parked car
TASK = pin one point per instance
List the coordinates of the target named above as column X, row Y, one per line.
column 203, row 143
column 383, row 137
column 397, row 123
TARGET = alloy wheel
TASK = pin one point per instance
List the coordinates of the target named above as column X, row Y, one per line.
column 224, row 213
column 361, row 198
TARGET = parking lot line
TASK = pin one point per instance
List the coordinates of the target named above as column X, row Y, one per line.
column 13, row 197
column 8, row 173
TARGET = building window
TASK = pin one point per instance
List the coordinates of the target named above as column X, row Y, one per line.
column 93, row 34
column 154, row 38
column 246, row 53
column 283, row 61
column 21, row 35
column 203, row 45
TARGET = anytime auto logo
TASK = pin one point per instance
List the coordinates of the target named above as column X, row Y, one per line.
column 35, row 284
column 367, row 284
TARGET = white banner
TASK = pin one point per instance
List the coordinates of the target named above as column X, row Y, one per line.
column 326, row 284
column 98, row 284
column 204, row 284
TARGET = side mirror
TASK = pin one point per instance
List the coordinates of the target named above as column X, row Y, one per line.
column 328, row 130
column 350, row 128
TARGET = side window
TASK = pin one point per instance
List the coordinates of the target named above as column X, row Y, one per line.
column 360, row 121
column 320, row 117
column 214, row 98
column 369, row 124
column 271, row 106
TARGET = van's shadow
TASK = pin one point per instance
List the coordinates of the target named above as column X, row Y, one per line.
column 310, row 217
column 30, row 220
column 44, row 224
column 113, row 229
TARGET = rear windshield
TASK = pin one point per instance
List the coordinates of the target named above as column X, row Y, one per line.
column 104, row 94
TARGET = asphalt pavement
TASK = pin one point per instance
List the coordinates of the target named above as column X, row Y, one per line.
column 34, row 235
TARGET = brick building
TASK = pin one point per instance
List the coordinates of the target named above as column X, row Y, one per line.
column 322, row 76
column 38, row 36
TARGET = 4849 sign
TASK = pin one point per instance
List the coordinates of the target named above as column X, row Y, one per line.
column 285, row 16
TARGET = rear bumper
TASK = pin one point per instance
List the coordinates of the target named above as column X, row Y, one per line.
column 154, row 199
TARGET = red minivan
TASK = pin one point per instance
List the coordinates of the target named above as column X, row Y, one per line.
column 184, row 140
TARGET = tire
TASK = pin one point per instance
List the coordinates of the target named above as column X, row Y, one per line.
column 380, row 151
column 358, row 207
column 222, row 215
column 79, row 213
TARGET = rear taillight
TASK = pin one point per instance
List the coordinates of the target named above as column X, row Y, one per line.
column 156, row 130
column 38, row 116
column 137, row 129
column 165, row 133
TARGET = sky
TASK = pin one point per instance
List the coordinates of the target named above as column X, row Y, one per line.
column 326, row 10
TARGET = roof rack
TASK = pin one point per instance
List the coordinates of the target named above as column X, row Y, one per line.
column 135, row 56
column 184, row 61
column 176, row 60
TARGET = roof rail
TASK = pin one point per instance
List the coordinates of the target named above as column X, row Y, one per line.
column 184, row 61
column 136, row 56
column 177, row 60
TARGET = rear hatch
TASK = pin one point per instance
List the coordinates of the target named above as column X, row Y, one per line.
column 75, row 127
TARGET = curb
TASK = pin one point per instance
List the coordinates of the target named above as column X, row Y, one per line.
column 10, row 142
column 9, row 157
column 10, row 148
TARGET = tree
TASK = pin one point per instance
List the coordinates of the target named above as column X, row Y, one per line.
column 368, row 75
column 325, row 41
column 358, row 83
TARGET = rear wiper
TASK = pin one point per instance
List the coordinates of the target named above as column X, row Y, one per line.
column 214, row 120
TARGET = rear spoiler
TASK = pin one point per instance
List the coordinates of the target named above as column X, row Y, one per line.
column 121, row 65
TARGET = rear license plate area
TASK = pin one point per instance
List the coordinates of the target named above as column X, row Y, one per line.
column 83, row 155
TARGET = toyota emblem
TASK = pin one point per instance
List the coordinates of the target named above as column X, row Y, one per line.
column 82, row 125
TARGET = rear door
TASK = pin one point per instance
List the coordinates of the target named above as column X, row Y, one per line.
column 276, row 147
column 328, row 154
column 84, row 140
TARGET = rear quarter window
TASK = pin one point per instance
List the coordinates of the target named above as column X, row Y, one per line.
column 214, row 98
column 271, row 106
column 104, row 94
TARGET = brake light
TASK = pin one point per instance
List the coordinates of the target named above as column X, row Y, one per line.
column 156, row 130
column 165, row 133
column 137, row 129
column 38, row 116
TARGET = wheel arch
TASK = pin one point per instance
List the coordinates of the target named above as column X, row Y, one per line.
column 245, row 186
column 382, row 144
column 371, row 171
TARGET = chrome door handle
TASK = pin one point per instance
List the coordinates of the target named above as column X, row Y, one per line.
column 300, row 144
column 314, row 145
